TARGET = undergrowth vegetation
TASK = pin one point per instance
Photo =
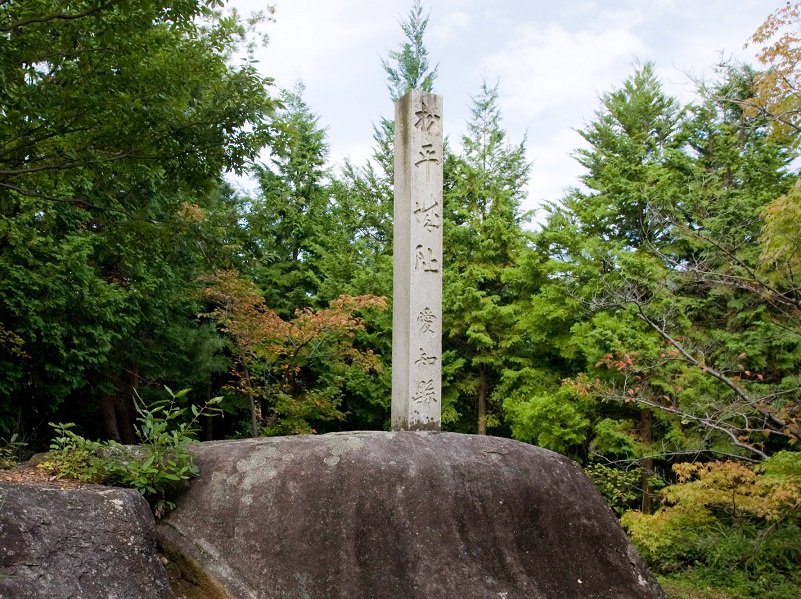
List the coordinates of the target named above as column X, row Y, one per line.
column 158, row 468
column 9, row 451
column 730, row 528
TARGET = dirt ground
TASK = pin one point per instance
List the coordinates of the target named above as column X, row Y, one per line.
column 31, row 475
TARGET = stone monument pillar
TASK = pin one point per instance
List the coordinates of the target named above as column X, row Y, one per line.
column 417, row 264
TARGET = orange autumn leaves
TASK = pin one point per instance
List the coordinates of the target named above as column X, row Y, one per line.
column 271, row 352
column 778, row 91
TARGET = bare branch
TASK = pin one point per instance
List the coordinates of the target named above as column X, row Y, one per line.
column 705, row 421
column 739, row 391
column 752, row 284
column 669, row 454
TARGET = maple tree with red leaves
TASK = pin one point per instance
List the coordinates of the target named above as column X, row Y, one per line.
column 273, row 355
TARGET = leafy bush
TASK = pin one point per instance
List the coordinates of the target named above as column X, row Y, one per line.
column 622, row 488
column 727, row 527
column 157, row 468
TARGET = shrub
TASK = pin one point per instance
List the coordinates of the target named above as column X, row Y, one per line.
column 729, row 527
column 158, row 468
column 9, row 451
column 620, row 487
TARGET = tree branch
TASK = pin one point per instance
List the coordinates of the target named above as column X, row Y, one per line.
column 669, row 454
column 704, row 421
column 752, row 284
column 739, row 391
column 57, row 16
column 74, row 201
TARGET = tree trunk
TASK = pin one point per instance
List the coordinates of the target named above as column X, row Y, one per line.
column 482, row 399
column 254, row 417
column 110, row 417
column 123, row 402
column 208, row 425
column 118, row 410
column 647, row 424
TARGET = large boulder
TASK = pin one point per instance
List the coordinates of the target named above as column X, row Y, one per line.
column 375, row 515
column 91, row 542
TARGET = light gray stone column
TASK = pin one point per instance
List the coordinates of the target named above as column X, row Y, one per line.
column 417, row 264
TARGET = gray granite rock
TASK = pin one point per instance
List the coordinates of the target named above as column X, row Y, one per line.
column 407, row 514
column 86, row 543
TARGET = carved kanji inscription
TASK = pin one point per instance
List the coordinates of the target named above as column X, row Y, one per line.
column 428, row 322
column 425, row 360
column 427, row 214
column 424, row 259
column 424, row 392
column 428, row 156
column 427, row 121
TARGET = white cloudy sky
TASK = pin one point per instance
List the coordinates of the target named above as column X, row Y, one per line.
column 552, row 57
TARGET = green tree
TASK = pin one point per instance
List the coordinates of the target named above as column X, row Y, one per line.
column 670, row 341
column 289, row 219
column 409, row 68
column 118, row 119
column 633, row 143
column 483, row 242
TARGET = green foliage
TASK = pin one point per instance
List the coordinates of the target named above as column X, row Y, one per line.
column 9, row 451
column 409, row 68
column 559, row 421
column 726, row 526
column 158, row 468
column 483, row 243
column 118, row 121
column 657, row 312
column 73, row 456
column 780, row 261
column 288, row 223
column 621, row 487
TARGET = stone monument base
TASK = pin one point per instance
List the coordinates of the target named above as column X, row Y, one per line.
column 406, row 514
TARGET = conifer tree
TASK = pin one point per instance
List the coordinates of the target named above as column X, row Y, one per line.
column 483, row 243
column 289, row 218
column 665, row 332
column 409, row 68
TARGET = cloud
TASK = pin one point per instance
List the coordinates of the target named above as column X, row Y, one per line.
column 550, row 81
column 550, row 71
column 553, row 60
column 444, row 29
column 554, row 170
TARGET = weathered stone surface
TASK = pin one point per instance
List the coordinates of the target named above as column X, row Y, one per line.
column 417, row 264
column 407, row 514
column 87, row 543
